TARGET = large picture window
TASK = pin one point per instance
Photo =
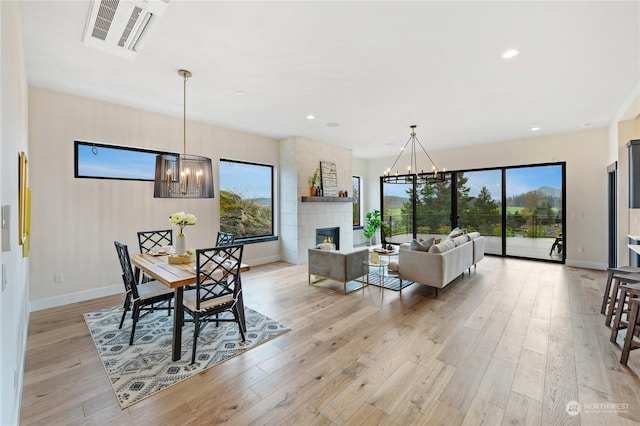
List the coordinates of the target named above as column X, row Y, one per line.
column 102, row 161
column 246, row 199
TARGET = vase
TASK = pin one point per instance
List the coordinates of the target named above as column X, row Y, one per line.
column 181, row 244
column 312, row 191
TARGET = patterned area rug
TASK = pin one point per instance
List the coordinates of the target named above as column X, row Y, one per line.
column 145, row 368
column 391, row 282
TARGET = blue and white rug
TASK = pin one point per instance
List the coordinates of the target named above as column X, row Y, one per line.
column 145, row 368
column 391, row 282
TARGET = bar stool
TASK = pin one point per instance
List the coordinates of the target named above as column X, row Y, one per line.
column 630, row 340
column 606, row 297
column 616, row 280
column 626, row 292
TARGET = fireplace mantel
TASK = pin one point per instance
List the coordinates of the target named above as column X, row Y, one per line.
column 321, row 199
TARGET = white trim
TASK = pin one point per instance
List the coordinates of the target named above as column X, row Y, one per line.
column 81, row 296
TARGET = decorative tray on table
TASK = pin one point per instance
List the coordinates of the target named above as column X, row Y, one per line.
column 189, row 256
column 384, row 251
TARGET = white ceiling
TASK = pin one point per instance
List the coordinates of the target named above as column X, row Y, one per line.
column 372, row 67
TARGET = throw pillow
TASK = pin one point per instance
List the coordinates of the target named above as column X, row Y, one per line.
column 418, row 246
column 455, row 232
column 326, row 246
column 393, row 266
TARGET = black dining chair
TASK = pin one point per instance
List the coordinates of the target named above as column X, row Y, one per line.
column 217, row 296
column 140, row 298
column 153, row 240
column 225, row 239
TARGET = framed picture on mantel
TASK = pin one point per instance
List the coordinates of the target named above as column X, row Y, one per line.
column 329, row 179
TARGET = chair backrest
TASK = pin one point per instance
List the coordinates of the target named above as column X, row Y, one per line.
column 218, row 273
column 128, row 278
column 148, row 240
column 225, row 239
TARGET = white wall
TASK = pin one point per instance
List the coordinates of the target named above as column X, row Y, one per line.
column 14, row 313
column 75, row 221
column 585, row 153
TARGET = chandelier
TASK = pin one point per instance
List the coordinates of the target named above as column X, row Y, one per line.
column 433, row 176
column 182, row 175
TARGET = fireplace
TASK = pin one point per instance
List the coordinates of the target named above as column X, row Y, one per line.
column 328, row 235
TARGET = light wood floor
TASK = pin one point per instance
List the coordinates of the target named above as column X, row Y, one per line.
column 512, row 343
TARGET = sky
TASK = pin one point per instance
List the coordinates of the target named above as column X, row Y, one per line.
column 116, row 162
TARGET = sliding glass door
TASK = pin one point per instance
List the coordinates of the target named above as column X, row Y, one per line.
column 534, row 212
column 519, row 210
column 479, row 206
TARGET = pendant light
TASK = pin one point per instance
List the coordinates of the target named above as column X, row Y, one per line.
column 183, row 175
column 421, row 177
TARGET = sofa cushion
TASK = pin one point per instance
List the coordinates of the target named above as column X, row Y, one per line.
column 473, row 235
column 462, row 239
column 421, row 245
column 444, row 246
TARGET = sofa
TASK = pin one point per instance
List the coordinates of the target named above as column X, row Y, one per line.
column 437, row 265
column 337, row 266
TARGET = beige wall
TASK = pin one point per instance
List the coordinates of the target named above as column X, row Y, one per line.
column 14, row 312
column 75, row 221
column 585, row 153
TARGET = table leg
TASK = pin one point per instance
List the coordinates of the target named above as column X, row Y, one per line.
column 178, row 321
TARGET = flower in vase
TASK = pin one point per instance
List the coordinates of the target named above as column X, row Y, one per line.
column 182, row 219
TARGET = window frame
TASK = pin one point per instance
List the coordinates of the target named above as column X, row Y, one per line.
column 357, row 200
column 76, row 159
column 261, row 238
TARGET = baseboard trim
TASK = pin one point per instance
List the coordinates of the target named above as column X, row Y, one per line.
column 80, row 296
column 587, row 265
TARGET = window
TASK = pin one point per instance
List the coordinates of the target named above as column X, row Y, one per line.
column 101, row 161
column 246, row 199
column 519, row 209
column 355, row 193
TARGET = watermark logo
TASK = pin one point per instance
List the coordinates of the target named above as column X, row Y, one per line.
column 573, row 408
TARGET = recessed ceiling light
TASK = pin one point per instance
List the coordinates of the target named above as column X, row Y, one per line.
column 332, row 124
column 535, row 127
column 510, row 54
column 310, row 117
column 239, row 92
column 583, row 125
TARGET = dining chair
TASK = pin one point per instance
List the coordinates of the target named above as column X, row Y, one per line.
column 218, row 290
column 150, row 240
column 225, row 239
column 143, row 297
column 631, row 339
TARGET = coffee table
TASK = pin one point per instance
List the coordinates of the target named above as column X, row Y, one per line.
column 380, row 264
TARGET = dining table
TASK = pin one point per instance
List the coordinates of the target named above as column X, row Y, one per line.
column 177, row 276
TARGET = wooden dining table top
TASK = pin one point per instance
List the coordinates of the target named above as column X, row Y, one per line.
column 173, row 275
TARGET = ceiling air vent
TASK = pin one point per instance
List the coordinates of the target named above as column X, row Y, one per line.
column 120, row 27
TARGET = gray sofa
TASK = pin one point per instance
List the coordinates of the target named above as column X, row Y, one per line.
column 337, row 266
column 443, row 263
